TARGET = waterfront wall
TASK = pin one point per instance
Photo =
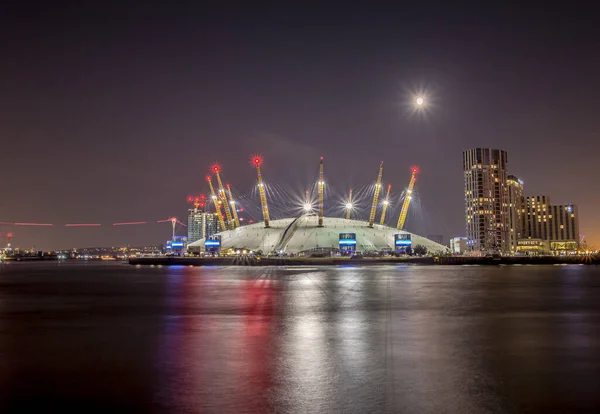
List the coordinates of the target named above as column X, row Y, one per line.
column 313, row 261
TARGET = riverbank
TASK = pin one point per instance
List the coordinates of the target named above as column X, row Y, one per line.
column 341, row 261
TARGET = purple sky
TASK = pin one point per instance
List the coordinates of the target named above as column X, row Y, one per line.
column 115, row 113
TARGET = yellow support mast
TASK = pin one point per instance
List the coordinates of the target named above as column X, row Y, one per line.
column 386, row 202
column 215, row 200
column 321, row 191
column 233, row 207
column 261, row 189
column 376, row 196
column 223, row 197
column 349, row 206
column 407, row 199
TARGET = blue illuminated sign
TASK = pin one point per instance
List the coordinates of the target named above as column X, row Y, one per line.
column 212, row 243
column 348, row 242
column 402, row 240
column 177, row 244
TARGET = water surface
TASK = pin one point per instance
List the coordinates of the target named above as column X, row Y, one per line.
column 408, row 339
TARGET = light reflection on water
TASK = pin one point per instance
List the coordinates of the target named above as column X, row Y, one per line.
column 229, row 340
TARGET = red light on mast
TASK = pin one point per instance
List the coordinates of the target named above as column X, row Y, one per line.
column 208, row 178
column 9, row 235
column 190, row 198
column 415, row 170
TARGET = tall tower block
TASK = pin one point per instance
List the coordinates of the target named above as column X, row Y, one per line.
column 486, row 200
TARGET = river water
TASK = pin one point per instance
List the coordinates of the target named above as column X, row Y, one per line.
column 407, row 339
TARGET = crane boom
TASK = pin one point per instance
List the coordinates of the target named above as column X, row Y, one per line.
column 376, row 196
column 216, row 203
column 233, row 207
column 407, row 198
column 348, row 210
column 223, row 197
column 321, row 188
column 261, row 191
column 386, row 202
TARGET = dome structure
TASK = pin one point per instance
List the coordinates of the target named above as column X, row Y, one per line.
column 302, row 234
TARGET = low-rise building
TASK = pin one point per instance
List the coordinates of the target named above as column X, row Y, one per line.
column 458, row 245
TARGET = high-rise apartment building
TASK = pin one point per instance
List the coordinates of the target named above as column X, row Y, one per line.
column 557, row 226
column 200, row 224
column 486, row 200
column 535, row 217
column 515, row 211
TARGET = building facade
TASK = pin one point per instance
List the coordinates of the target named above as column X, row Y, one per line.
column 557, row 226
column 515, row 211
column 486, row 200
column 458, row 245
column 201, row 224
column 535, row 217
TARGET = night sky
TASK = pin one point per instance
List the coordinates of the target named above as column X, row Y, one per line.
column 115, row 112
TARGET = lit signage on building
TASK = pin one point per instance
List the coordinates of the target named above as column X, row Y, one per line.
column 402, row 239
column 347, row 242
column 213, row 242
column 348, row 239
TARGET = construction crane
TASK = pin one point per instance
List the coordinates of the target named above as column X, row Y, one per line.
column 261, row 190
column 349, row 205
column 407, row 198
column 321, row 190
column 223, row 197
column 216, row 203
column 233, row 207
column 197, row 201
column 376, row 196
column 386, row 202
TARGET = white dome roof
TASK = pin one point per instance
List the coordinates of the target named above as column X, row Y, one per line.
column 294, row 235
